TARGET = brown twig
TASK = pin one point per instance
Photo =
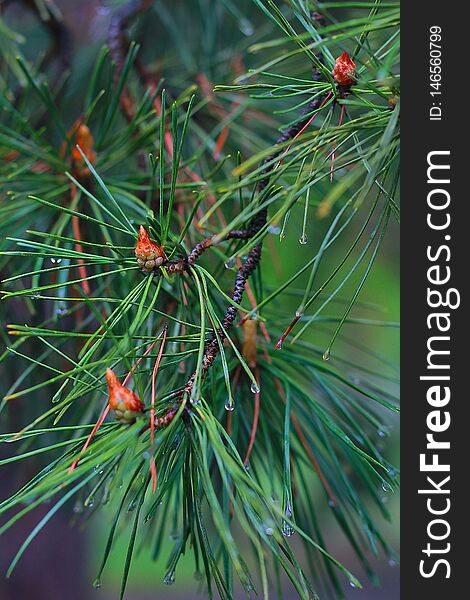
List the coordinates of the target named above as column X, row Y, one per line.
column 61, row 50
column 253, row 258
column 254, row 255
column 118, row 44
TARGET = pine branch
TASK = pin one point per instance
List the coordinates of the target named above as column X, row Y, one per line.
column 237, row 477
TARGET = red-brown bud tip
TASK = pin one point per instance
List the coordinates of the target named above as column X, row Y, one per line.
column 344, row 71
column 145, row 247
column 83, row 139
column 149, row 255
column 125, row 403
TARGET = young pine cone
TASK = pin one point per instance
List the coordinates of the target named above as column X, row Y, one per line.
column 125, row 404
column 148, row 254
column 344, row 71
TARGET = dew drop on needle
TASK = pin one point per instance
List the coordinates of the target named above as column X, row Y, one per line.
column 169, row 578
column 230, row 404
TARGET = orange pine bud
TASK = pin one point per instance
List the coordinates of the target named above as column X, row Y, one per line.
column 344, row 71
column 148, row 254
column 83, row 139
column 125, row 404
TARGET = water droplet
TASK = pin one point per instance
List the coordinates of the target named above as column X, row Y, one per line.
column 56, row 261
column 89, row 502
column 383, row 432
column 169, row 578
column 97, row 583
column 353, row 583
column 274, row 229
column 230, row 263
column 230, row 404
column 254, row 388
column 326, row 355
column 78, row 507
column 97, row 467
column 61, row 309
column 303, row 239
column 287, row 530
column 131, row 506
column 268, row 530
column 246, row 27
column 386, row 487
column 392, row 562
column 331, row 503
column 392, row 472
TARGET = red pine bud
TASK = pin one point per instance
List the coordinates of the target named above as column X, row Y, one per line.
column 344, row 71
column 148, row 254
column 125, row 404
column 83, row 139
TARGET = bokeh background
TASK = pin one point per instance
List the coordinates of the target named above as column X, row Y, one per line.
column 62, row 562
